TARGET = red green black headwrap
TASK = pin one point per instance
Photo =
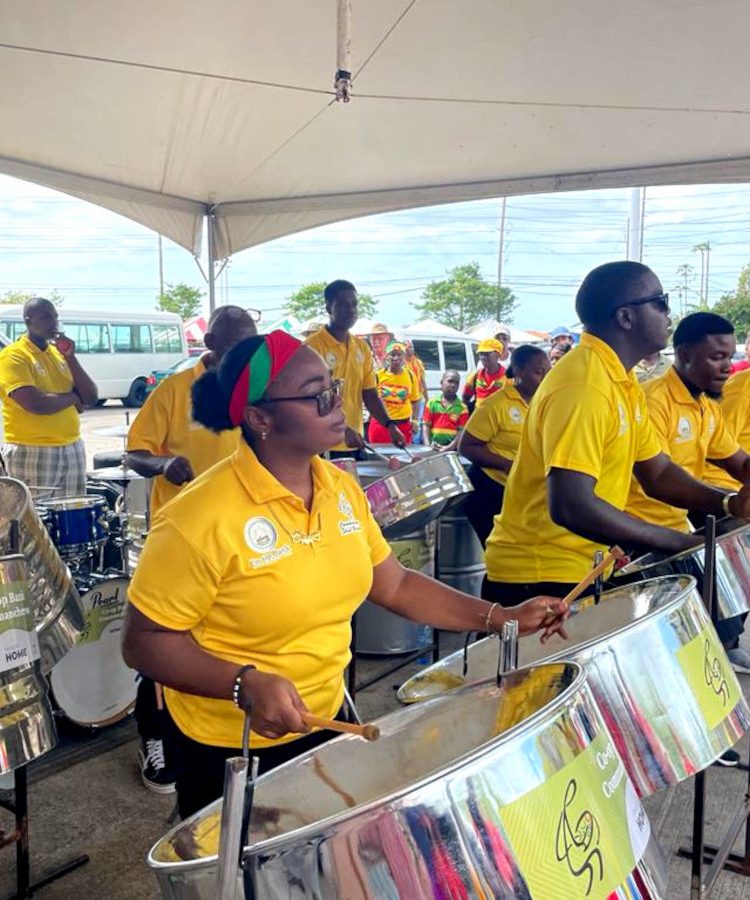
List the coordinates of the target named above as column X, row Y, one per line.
column 253, row 365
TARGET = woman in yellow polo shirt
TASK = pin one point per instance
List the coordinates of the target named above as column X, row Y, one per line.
column 244, row 593
column 493, row 433
column 399, row 390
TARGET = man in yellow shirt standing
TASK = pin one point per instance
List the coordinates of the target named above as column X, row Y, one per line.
column 168, row 446
column 585, row 435
column 692, row 430
column 44, row 389
column 350, row 360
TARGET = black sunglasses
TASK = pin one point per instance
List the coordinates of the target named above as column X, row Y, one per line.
column 326, row 399
column 661, row 300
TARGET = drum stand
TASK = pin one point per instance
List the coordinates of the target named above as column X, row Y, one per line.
column 719, row 857
column 20, row 809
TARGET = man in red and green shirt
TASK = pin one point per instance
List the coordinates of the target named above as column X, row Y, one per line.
column 445, row 416
column 489, row 377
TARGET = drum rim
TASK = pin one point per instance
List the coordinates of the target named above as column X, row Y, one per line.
column 563, row 652
column 69, row 503
column 578, row 688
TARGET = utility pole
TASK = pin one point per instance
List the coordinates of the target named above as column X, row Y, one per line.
column 635, row 235
column 705, row 251
column 501, row 243
column 161, row 267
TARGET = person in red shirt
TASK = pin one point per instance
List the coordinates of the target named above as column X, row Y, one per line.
column 743, row 363
column 489, row 377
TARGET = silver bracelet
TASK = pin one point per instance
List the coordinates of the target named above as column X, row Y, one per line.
column 488, row 619
column 725, row 502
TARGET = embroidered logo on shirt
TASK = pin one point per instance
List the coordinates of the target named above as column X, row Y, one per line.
column 349, row 525
column 684, row 430
column 331, row 359
column 623, row 419
column 260, row 534
column 516, row 415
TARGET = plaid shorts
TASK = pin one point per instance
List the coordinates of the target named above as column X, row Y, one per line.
column 48, row 472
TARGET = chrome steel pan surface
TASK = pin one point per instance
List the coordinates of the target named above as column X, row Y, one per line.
column 409, row 498
column 26, row 725
column 732, row 567
column 505, row 792
column 656, row 667
column 55, row 601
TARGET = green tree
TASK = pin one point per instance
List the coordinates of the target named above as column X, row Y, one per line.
column 20, row 297
column 309, row 303
column 465, row 298
column 181, row 299
column 735, row 306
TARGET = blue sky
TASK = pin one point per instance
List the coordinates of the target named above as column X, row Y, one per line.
column 94, row 258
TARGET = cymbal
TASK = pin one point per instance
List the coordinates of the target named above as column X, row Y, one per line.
column 113, row 473
column 120, row 431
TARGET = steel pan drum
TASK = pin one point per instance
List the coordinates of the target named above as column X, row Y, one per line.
column 55, row 601
column 732, row 566
column 660, row 676
column 506, row 792
column 409, row 498
column 26, row 726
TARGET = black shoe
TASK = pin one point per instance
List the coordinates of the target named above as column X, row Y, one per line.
column 155, row 775
column 729, row 758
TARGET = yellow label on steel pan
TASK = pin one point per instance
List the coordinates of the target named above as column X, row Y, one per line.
column 710, row 676
column 580, row 834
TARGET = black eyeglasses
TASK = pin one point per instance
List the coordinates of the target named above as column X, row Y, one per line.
column 661, row 301
column 326, row 399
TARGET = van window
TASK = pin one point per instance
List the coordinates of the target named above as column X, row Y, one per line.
column 428, row 352
column 455, row 356
column 166, row 339
column 89, row 338
column 131, row 339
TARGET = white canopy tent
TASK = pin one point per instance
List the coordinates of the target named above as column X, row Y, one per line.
column 177, row 112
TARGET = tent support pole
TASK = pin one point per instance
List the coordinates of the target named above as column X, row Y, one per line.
column 210, row 226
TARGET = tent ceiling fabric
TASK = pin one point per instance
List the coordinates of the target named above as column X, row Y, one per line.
column 163, row 111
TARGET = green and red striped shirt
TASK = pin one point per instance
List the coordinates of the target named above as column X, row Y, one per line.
column 445, row 421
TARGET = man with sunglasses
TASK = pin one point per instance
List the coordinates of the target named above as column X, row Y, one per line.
column 168, row 446
column 587, row 433
column 351, row 362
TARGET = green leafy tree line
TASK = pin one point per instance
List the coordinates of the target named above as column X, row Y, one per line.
column 309, row 303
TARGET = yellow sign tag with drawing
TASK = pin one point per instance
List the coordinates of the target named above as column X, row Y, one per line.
column 710, row 676
column 580, row 834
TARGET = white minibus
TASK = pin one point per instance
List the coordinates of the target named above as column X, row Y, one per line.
column 118, row 350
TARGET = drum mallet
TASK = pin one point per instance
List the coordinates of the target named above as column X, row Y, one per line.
column 369, row 732
column 614, row 554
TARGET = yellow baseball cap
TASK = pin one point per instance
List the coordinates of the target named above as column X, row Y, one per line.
column 491, row 345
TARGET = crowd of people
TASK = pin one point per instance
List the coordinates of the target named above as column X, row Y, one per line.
column 260, row 550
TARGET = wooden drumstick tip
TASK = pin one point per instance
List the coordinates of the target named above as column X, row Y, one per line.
column 370, row 732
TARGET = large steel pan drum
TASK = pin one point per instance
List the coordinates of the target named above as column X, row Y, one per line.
column 506, row 792
column 732, row 566
column 657, row 669
column 55, row 601
column 26, row 726
column 409, row 498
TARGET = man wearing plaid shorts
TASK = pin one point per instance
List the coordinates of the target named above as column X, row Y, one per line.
column 44, row 388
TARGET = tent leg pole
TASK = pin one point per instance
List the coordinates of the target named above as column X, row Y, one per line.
column 211, row 262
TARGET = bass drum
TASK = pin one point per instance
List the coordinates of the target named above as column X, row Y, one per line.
column 92, row 685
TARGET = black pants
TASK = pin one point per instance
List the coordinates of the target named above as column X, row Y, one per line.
column 483, row 503
column 148, row 717
column 507, row 593
column 199, row 768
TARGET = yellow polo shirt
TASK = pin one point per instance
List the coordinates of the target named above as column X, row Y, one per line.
column 499, row 423
column 165, row 427
column 735, row 408
column 23, row 364
column 589, row 415
column 690, row 430
column 351, row 360
column 227, row 561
